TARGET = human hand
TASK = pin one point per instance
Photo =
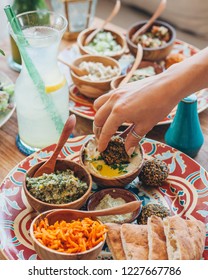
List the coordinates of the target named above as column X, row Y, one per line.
column 146, row 102
column 142, row 104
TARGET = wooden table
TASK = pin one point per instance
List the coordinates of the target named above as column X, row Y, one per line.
column 10, row 156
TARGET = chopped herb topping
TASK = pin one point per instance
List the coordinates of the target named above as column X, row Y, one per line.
column 99, row 167
column 57, row 188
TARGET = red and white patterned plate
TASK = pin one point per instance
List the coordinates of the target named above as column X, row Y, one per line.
column 185, row 193
column 83, row 106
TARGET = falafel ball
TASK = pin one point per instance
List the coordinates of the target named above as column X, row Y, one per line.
column 152, row 209
column 115, row 152
column 154, row 172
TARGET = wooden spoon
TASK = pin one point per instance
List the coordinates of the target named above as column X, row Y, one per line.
column 74, row 68
column 156, row 14
column 137, row 61
column 66, row 214
column 49, row 165
column 110, row 17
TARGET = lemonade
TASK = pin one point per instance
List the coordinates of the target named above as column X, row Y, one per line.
column 36, row 125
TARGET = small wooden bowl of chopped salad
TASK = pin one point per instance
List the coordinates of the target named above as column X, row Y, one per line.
column 107, row 43
column 59, row 238
column 67, row 188
column 157, row 41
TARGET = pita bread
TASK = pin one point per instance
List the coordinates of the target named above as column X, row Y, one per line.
column 135, row 241
column 179, row 242
column 172, row 238
column 114, row 241
column 197, row 232
column 156, row 239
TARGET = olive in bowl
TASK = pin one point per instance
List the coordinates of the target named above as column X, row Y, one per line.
column 157, row 41
column 67, row 188
column 107, row 43
column 113, row 167
column 100, row 72
column 112, row 197
column 67, row 237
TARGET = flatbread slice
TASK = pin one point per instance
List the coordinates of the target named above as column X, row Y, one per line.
column 114, row 241
column 135, row 241
column 179, row 242
column 156, row 239
column 197, row 232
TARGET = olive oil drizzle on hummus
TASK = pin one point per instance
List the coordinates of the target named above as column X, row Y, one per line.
column 104, row 169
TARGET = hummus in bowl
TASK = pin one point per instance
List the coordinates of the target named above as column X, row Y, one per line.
column 110, row 175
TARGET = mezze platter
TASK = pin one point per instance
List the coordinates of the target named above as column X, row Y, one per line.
column 185, row 192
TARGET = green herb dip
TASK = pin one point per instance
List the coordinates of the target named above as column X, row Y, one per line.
column 57, row 188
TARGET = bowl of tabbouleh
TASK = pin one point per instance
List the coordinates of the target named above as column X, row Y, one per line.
column 68, row 187
column 113, row 167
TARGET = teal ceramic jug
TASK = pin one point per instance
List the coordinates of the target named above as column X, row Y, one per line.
column 185, row 132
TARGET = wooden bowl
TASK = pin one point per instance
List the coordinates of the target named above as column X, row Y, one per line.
column 46, row 253
column 120, row 39
column 157, row 67
column 153, row 54
column 117, row 181
column 115, row 193
column 61, row 164
column 94, row 89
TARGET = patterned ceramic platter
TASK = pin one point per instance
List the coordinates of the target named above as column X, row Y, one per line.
column 80, row 104
column 185, row 193
column 83, row 106
column 5, row 116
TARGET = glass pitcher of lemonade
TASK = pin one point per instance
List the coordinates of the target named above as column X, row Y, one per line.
column 42, row 32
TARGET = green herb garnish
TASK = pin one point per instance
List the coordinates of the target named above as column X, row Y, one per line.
column 134, row 154
column 99, row 167
column 120, row 167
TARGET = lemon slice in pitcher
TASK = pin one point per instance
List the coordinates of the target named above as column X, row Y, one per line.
column 55, row 87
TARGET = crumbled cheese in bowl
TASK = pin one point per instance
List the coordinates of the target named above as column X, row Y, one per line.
column 98, row 71
column 108, row 202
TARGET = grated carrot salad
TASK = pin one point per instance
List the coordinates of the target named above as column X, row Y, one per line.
column 73, row 237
